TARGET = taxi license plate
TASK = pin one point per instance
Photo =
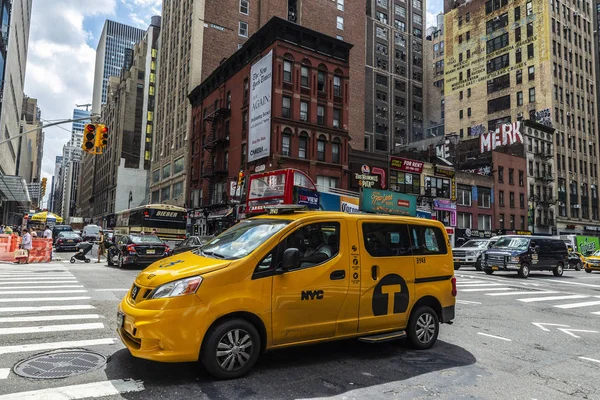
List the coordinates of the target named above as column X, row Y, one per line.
column 495, row 268
column 150, row 251
column 120, row 319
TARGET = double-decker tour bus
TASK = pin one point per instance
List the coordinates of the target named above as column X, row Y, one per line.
column 283, row 186
column 168, row 221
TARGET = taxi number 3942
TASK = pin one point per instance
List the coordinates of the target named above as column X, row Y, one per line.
column 421, row 260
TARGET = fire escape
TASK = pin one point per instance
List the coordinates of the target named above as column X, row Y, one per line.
column 214, row 143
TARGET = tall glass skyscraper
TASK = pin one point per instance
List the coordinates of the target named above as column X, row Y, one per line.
column 110, row 57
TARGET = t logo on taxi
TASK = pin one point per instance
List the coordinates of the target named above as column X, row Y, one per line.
column 390, row 296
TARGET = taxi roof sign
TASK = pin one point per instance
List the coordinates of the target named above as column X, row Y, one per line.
column 280, row 209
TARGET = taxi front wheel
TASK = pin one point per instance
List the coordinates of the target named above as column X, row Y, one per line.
column 230, row 349
column 423, row 328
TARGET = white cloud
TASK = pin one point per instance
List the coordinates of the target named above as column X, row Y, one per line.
column 434, row 7
column 60, row 63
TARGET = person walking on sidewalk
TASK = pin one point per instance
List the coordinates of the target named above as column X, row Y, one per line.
column 48, row 233
column 27, row 243
column 101, row 245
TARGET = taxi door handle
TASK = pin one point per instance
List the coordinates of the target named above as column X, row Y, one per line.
column 337, row 275
column 375, row 272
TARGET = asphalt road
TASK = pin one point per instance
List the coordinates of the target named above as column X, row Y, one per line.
column 512, row 339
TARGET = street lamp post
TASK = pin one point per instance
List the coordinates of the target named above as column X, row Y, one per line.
column 130, row 200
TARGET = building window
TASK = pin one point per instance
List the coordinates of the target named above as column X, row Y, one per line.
column 243, row 29
column 484, row 222
column 327, row 181
column 463, row 195
column 437, row 187
column 336, row 117
column 304, row 76
column 529, row 8
column 165, row 194
column 530, row 51
column 501, row 198
column 511, row 176
column 512, row 221
column 244, row 7
column 337, row 86
column 531, row 73
column 335, row 151
column 519, row 98
column 340, row 23
column 382, row 3
column 286, row 107
column 287, row 71
column 286, row 140
column 340, row 5
column 304, row 111
column 484, row 197
column 246, row 90
column 177, row 189
column 399, row 10
column 501, row 221
column 521, row 200
column 381, row 17
column 464, row 221
column 321, row 115
column 321, row 149
column 532, row 95
column 302, row 146
column 512, row 199
column 522, row 222
column 156, row 176
column 178, row 165
column 156, row 196
column 166, row 171
column 417, row 4
column 321, row 81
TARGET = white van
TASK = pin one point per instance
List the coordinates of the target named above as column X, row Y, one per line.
column 90, row 232
column 470, row 254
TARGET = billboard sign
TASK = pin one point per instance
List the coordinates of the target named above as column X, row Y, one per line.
column 402, row 164
column 506, row 134
column 259, row 134
column 386, row 202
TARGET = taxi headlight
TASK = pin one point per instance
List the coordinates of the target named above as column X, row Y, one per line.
column 177, row 288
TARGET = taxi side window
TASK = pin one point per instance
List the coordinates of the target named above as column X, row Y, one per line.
column 386, row 240
column 427, row 240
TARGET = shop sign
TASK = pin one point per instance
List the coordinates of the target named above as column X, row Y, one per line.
column 511, row 232
column 447, row 172
column 369, row 177
column 260, row 168
column 386, row 202
column 308, row 198
column 474, row 233
column 453, row 189
column 423, row 214
column 403, row 164
column 592, row 228
column 506, row 134
column 441, row 204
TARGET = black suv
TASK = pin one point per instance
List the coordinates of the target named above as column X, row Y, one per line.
column 526, row 253
column 137, row 250
column 60, row 228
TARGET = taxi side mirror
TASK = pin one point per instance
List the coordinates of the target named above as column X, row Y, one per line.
column 291, row 259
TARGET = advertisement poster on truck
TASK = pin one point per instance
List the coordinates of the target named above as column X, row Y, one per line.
column 587, row 244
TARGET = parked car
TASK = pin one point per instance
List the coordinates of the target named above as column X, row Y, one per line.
column 60, row 228
column 526, row 253
column 470, row 254
column 191, row 243
column 576, row 260
column 137, row 250
column 90, row 233
column 67, row 241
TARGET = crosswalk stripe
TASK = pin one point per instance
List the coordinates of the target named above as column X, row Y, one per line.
column 40, row 318
column 51, row 328
column 4, row 372
column 43, row 287
column 520, row 293
column 551, row 298
column 2, row 292
column 36, row 277
column 577, row 305
column 47, row 308
column 54, row 345
column 458, row 282
column 40, row 299
column 478, row 284
column 83, row 391
column 19, row 282
column 596, row 313
column 484, row 289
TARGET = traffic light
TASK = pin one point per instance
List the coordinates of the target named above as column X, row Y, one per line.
column 101, row 136
column 43, row 190
column 240, row 181
column 89, row 138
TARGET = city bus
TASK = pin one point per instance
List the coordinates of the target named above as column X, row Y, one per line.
column 283, row 186
column 169, row 221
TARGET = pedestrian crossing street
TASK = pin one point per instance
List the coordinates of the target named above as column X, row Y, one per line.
column 524, row 292
column 45, row 307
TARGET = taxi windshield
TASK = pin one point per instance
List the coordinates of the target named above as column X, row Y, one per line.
column 242, row 239
column 480, row 244
column 596, row 253
column 512, row 243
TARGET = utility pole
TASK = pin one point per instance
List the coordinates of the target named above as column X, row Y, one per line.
column 47, row 126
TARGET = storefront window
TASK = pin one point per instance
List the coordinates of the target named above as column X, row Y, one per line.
column 437, row 187
column 406, row 182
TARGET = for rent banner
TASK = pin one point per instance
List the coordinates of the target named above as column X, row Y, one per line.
column 259, row 135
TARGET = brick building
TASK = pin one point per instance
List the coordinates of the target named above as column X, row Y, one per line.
column 475, row 214
column 510, row 187
column 309, row 110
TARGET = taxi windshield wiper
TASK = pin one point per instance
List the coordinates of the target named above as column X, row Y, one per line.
column 213, row 254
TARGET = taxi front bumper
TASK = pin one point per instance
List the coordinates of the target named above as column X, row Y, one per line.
column 591, row 266
column 162, row 334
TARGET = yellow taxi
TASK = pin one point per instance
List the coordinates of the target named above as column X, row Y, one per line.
column 289, row 278
column 592, row 263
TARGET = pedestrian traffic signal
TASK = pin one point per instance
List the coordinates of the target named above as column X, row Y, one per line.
column 89, row 138
column 101, row 136
column 43, row 188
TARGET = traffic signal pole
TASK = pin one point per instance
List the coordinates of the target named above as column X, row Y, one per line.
column 47, row 126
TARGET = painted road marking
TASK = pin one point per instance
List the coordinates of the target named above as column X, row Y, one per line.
column 551, row 298
column 34, row 280
column 2, row 292
column 112, row 290
column 51, row 328
column 54, row 345
column 467, row 302
column 478, row 284
column 36, row 277
column 590, row 359
column 485, row 289
column 596, row 313
column 44, row 299
column 30, row 282
column 4, row 372
column 47, row 308
column 49, row 318
column 577, row 305
column 43, row 287
column 519, row 293
column 84, row 391
column 541, row 325
column 569, row 331
column 570, row 283
column 495, row 337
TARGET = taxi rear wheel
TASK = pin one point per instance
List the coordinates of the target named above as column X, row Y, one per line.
column 230, row 349
column 423, row 328
column 589, row 271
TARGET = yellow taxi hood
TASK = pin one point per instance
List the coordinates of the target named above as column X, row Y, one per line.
column 178, row 267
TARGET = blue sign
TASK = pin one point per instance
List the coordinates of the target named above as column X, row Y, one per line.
column 423, row 214
column 307, row 197
column 386, row 202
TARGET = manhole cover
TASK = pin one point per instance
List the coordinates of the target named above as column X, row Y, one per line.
column 60, row 364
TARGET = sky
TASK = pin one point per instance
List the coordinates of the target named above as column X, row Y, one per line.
column 62, row 53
